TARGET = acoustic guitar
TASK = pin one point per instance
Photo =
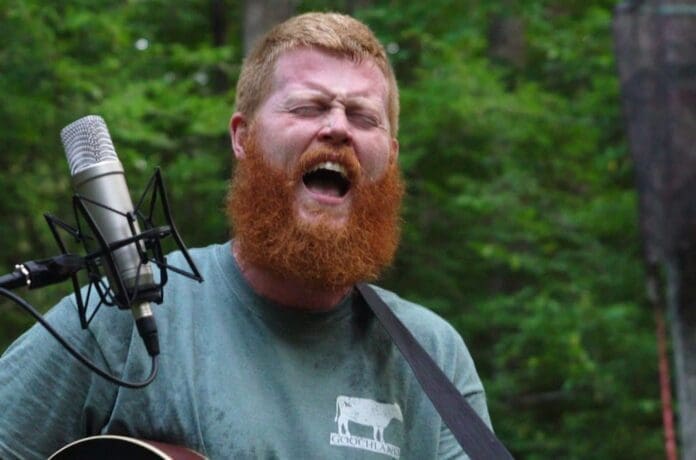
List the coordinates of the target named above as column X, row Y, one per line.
column 110, row 447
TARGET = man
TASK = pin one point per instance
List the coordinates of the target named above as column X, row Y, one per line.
column 274, row 355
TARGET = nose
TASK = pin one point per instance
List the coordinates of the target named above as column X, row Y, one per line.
column 336, row 128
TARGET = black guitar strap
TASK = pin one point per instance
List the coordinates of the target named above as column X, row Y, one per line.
column 477, row 440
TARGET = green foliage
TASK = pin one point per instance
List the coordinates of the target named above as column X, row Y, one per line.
column 521, row 219
column 520, row 215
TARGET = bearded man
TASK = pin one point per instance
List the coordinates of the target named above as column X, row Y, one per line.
column 274, row 355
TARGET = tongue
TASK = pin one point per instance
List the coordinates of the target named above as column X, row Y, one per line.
column 323, row 187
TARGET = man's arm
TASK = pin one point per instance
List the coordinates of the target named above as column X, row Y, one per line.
column 46, row 395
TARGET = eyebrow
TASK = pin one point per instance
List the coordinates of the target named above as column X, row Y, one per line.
column 358, row 99
column 326, row 90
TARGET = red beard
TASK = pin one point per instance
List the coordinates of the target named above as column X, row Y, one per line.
column 261, row 207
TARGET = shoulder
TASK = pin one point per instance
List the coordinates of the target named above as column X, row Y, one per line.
column 420, row 320
column 437, row 336
column 210, row 262
column 204, row 258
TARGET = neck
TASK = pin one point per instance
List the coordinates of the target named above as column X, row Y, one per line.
column 291, row 293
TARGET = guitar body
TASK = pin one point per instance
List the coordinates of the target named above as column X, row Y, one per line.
column 110, row 447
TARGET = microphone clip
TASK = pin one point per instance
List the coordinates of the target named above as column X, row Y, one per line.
column 105, row 283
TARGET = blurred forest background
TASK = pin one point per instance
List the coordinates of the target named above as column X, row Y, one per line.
column 521, row 215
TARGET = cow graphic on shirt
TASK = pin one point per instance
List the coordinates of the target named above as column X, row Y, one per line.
column 365, row 412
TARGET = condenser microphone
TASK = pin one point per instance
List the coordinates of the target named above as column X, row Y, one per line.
column 99, row 181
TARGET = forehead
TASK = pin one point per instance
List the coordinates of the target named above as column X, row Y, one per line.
column 311, row 68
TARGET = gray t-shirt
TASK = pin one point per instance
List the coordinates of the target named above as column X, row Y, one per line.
column 240, row 377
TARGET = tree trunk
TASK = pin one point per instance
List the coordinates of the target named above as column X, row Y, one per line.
column 506, row 40
column 261, row 15
column 356, row 5
column 218, row 27
column 682, row 310
column 218, row 22
column 656, row 60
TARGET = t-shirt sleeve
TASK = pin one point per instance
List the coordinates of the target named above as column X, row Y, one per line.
column 466, row 379
column 447, row 348
column 45, row 393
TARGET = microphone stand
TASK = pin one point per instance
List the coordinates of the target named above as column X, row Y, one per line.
column 39, row 273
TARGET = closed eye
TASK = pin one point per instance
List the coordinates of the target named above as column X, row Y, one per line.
column 363, row 120
column 308, row 110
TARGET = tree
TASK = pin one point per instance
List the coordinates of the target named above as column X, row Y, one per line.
column 520, row 214
column 260, row 16
column 659, row 96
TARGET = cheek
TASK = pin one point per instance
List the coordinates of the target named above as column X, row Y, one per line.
column 374, row 159
column 284, row 143
column 276, row 150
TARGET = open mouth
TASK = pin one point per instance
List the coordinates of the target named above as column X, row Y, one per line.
column 327, row 178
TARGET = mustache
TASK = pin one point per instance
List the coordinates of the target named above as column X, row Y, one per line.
column 344, row 156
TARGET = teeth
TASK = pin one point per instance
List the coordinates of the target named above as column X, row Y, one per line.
column 331, row 166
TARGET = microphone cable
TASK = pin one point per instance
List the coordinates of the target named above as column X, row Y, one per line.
column 76, row 354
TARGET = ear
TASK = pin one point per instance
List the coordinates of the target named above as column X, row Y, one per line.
column 238, row 132
column 394, row 152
